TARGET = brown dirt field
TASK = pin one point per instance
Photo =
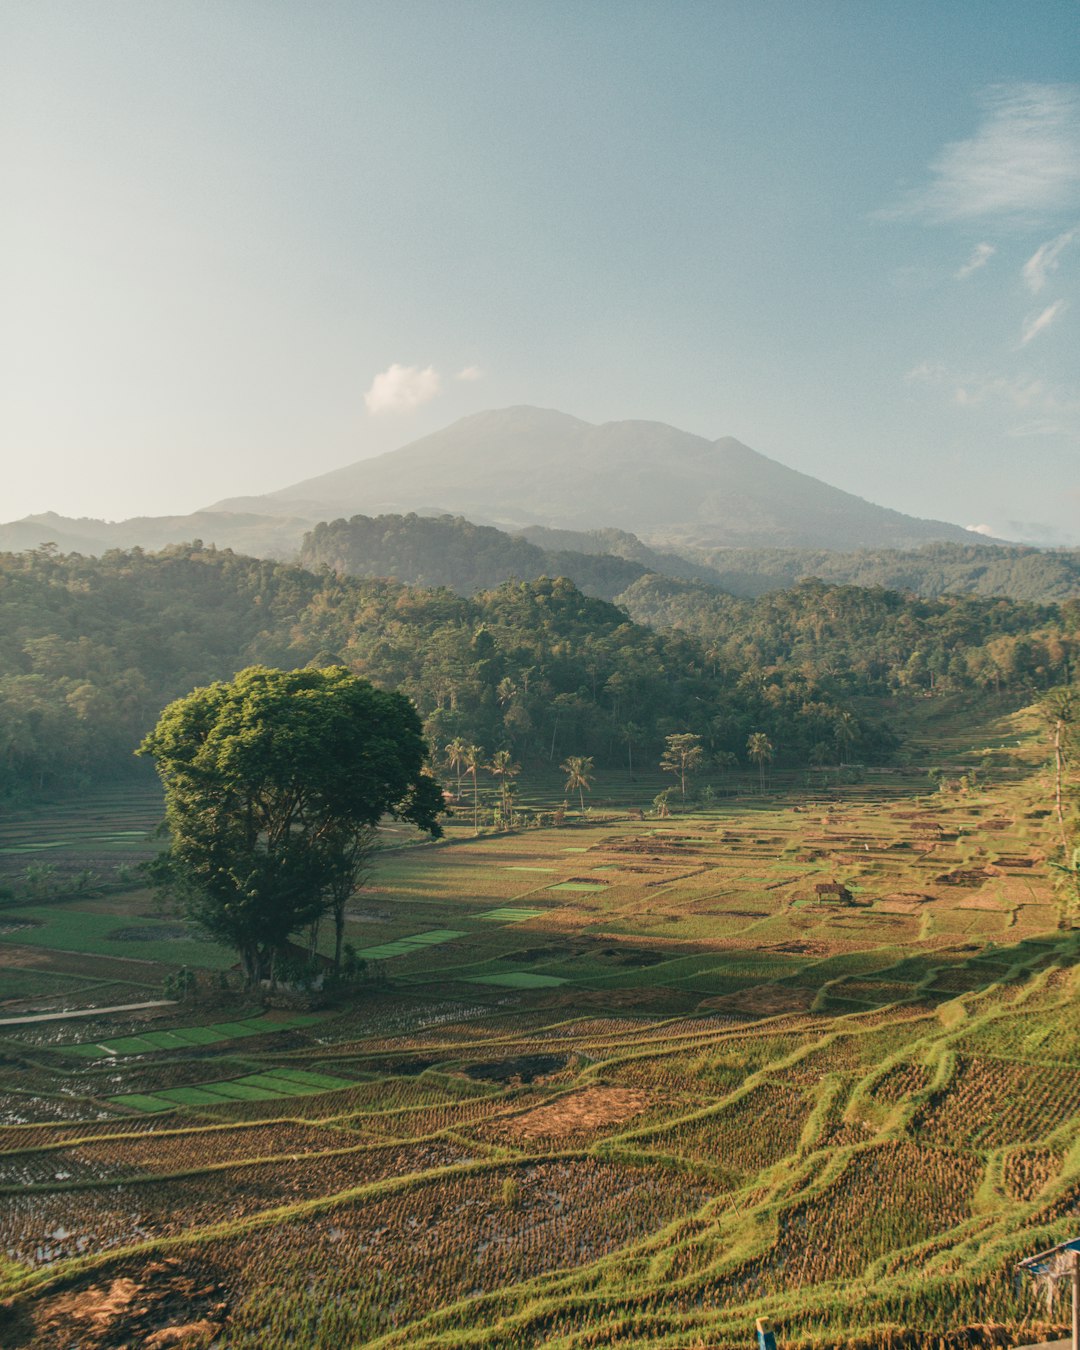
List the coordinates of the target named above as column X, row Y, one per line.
column 580, row 1112
column 166, row 1307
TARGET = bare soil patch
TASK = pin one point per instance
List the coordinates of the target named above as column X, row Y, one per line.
column 580, row 1113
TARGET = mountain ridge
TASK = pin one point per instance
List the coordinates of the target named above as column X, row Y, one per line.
column 524, row 466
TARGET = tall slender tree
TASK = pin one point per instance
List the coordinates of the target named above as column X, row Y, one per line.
column 455, row 758
column 1060, row 709
column 682, row 755
column 473, row 761
column 503, row 768
column 760, row 749
column 578, row 770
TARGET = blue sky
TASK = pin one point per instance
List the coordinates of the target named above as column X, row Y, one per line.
column 242, row 244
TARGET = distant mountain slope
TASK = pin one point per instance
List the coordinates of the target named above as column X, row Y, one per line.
column 535, row 466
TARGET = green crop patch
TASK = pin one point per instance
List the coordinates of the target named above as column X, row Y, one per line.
column 579, row 886
column 256, row 1087
column 510, row 914
column 186, row 1038
column 403, row 946
column 519, row 979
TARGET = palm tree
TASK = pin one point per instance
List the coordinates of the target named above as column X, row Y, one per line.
column 1060, row 710
column 760, row 750
column 503, row 768
column 455, row 757
column 578, row 770
column 631, row 732
column 472, row 759
column 845, row 733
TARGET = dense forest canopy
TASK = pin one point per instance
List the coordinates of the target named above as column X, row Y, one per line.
column 92, row 649
column 1041, row 575
column 452, row 552
column 870, row 640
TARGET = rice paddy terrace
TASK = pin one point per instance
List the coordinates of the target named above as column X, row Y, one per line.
column 626, row 1083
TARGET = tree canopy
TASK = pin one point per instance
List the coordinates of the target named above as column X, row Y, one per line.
column 273, row 782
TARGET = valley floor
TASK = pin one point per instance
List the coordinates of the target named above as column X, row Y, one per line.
column 623, row 1083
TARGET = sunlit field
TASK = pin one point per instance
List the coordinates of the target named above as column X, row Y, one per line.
column 810, row 1052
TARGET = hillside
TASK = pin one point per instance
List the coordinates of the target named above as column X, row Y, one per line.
column 452, row 552
column 534, row 466
column 1032, row 574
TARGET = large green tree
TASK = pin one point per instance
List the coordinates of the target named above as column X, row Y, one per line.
column 274, row 781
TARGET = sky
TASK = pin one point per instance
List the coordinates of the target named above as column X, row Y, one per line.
column 246, row 243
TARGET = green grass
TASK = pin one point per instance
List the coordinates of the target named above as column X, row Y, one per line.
column 71, row 926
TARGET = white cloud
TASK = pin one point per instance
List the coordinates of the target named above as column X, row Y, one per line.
column 401, row 388
column 980, row 529
column 1022, row 162
column 1045, row 260
column 980, row 256
column 470, row 373
column 1040, row 322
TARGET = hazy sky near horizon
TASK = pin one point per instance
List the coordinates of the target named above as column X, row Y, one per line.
column 245, row 243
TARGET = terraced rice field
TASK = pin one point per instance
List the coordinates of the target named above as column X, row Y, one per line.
column 624, row 1083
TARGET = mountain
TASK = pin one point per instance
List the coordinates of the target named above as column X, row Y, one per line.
column 528, row 466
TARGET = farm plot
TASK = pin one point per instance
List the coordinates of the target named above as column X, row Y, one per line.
column 622, row 1113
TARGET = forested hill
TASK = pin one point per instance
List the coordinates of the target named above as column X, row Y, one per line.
column 453, row 552
column 868, row 638
column 92, row 649
column 931, row 571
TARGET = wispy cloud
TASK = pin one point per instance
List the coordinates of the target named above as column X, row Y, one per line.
column 1022, row 405
column 972, row 391
column 470, row 373
column 1022, row 162
column 1038, row 323
column 1045, row 260
column 980, row 256
column 401, row 388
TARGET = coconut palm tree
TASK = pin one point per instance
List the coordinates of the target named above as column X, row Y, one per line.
column 760, row 750
column 578, row 770
column 504, row 769
column 472, row 760
column 455, row 757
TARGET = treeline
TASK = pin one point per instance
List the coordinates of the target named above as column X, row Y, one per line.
column 92, row 649
column 1027, row 574
column 853, row 640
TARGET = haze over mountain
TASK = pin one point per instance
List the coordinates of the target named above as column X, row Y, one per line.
column 535, row 466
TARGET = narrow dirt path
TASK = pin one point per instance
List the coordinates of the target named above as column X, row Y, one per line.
column 84, row 1012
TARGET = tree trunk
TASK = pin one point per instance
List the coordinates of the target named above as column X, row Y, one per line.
column 1058, row 806
column 339, row 931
